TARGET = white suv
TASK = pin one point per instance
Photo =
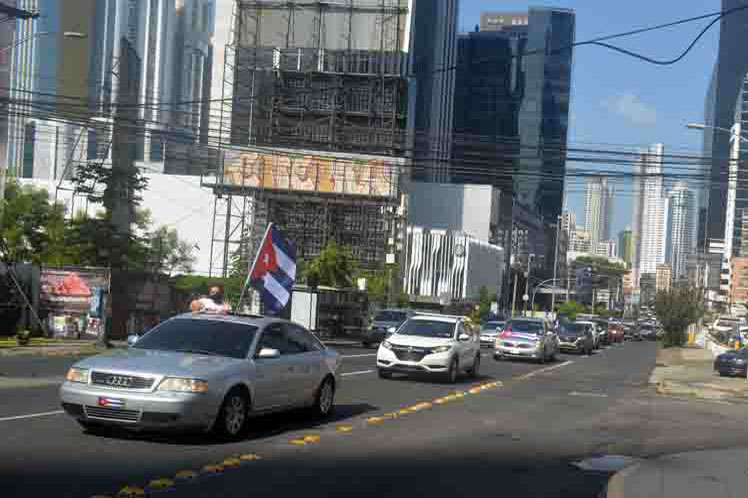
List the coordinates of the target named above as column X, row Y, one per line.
column 433, row 344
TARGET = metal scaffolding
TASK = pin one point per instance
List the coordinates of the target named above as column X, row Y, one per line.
column 326, row 77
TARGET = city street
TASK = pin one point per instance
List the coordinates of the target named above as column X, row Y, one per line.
column 519, row 436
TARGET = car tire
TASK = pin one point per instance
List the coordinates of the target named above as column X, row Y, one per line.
column 475, row 371
column 589, row 351
column 324, row 399
column 231, row 422
column 384, row 374
column 452, row 372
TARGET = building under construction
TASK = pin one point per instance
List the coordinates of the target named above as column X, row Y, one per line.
column 315, row 106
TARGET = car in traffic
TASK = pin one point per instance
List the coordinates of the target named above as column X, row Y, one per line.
column 385, row 322
column 647, row 332
column 490, row 331
column 431, row 344
column 596, row 335
column 732, row 363
column 529, row 338
column 575, row 338
column 204, row 372
column 604, row 332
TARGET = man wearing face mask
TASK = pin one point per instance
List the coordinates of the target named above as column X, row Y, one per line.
column 214, row 303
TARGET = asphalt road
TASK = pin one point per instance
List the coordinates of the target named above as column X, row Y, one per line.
column 519, row 437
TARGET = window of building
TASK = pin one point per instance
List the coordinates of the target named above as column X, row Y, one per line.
column 29, row 140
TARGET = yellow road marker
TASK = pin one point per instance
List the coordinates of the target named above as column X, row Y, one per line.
column 440, row 401
column 406, row 411
column 231, row 462
column 131, row 491
column 344, row 428
column 250, row 457
column 162, row 483
column 186, row 475
column 375, row 420
column 212, row 469
column 475, row 390
column 312, row 439
column 421, row 406
column 298, row 442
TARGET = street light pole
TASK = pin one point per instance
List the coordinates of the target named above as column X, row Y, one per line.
column 555, row 262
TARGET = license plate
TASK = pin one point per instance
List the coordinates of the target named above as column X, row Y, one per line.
column 111, row 402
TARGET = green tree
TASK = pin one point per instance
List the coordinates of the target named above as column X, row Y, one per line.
column 571, row 309
column 676, row 309
column 334, row 267
column 168, row 253
column 32, row 227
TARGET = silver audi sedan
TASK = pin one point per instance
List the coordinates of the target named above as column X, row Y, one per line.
column 204, row 372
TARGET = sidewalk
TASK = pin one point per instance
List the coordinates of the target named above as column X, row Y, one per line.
column 68, row 347
column 695, row 474
column 688, row 372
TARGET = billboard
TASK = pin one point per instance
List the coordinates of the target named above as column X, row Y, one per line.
column 74, row 299
column 304, row 171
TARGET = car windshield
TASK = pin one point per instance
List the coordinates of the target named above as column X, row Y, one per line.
column 491, row 326
column 428, row 328
column 572, row 329
column 390, row 316
column 212, row 337
column 526, row 327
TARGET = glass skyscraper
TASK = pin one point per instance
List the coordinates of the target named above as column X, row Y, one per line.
column 512, row 94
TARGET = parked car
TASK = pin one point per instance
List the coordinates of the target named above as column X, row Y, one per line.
column 576, row 338
column 431, row 344
column 531, row 338
column 597, row 339
column 732, row 363
column 204, row 372
column 385, row 322
column 647, row 333
column 603, row 331
column 490, row 331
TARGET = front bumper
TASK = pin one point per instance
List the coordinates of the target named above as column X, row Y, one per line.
column 517, row 352
column 571, row 346
column 138, row 409
column 731, row 369
column 487, row 341
column 430, row 363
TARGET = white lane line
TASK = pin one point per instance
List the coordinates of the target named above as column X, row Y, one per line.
column 546, row 369
column 32, row 415
column 359, row 355
column 356, row 373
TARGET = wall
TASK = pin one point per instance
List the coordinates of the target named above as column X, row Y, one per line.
column 472, row 209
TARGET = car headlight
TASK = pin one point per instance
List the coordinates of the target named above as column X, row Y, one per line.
column 739, row 362
column 441, row 349
column 386, row 345
column 78, row 375
column 392, row 330
column 183, row 385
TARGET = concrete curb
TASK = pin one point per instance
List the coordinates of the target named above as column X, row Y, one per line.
column 615, row 487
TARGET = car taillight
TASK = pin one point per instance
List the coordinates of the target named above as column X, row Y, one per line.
column 505, row 333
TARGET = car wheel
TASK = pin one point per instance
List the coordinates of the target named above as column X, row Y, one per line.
column 589, row 351
column 475, row 371
column 231, row 422
column 452, row 372
column 384, row 374
column 324, row 401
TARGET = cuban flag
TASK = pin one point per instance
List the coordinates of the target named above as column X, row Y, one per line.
column 274, row 271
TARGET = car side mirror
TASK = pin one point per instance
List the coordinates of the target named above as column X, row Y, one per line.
column 463, row 337
column 268, row 354
column 132, row 339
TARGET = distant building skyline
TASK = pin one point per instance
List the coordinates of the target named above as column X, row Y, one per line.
column 680, row 228
column 650, row 213
column 598, row 209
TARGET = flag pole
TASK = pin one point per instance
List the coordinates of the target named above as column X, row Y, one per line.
column 252, row 268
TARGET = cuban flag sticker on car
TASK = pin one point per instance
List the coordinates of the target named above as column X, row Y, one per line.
column 112, row 402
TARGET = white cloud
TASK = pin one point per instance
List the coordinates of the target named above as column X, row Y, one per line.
column 631, row 108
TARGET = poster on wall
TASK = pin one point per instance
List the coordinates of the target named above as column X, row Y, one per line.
column 74, row 300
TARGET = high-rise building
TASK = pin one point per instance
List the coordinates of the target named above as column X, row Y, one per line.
column 433, row 39
column 505, row 100
column 663, row 277
column 625, row 245
column 580, row 241
column 598, row 209
column 650, row 212
column 568, row 221
column 607, row 248
column 680, row 233
column 720, row 208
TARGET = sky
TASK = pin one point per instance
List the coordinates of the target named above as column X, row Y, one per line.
column 620, row 100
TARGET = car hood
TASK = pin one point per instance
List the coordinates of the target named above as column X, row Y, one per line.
column 418, row 341
column 520, row 337
column 156, row 362
column 728, row 356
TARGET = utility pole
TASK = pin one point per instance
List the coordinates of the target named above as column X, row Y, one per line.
column 530, row 257
column 555, row 265
column 514, row 294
